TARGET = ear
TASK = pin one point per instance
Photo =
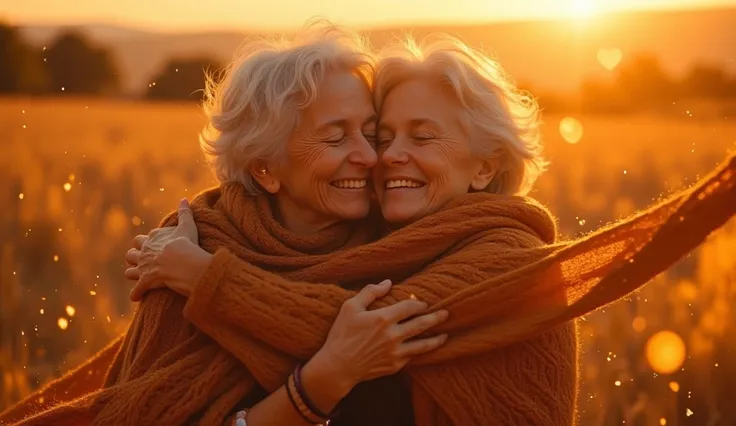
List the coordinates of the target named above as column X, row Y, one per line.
column 265, row 178
column 484, row 175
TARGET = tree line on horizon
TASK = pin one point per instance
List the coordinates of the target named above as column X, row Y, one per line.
column 75, row 66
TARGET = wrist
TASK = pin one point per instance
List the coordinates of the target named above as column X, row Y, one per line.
column 199, row 262
column 325, row 385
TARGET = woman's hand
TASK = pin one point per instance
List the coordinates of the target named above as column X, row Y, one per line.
column 167, row 257
column 364, row 345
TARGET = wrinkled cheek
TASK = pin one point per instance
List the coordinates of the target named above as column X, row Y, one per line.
column 325, row 196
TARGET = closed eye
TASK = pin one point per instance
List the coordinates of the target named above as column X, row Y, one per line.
column 335, row 139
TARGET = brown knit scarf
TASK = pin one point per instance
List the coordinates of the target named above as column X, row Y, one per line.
column 490, row 260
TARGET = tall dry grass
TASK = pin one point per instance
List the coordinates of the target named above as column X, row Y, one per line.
column 81, row 178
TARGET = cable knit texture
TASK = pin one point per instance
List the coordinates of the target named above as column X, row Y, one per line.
column 490, row 260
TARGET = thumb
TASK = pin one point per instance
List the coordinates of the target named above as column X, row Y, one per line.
column 186, row 221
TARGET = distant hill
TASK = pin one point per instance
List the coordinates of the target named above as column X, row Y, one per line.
column 546, row 55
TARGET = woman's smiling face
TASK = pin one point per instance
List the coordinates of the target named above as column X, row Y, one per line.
column 425, row 156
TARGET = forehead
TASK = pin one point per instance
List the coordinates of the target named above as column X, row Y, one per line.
column 342, row 95
column 419, row 99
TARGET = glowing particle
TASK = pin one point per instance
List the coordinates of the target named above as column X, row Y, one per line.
column 62, row 89
column 72, row 177
column 581, row 222
column 626, row 172
column 21, row 196
column 41, row 311
column 67, row 187
column 674, row 386
column 136, row 220
column 617, row 383
column 689, row 412
column 93, row 293
column 24, row 126
column 108, row 318
column 571, row 130
column 639, row 324
column 62, row 323
column 70, row 310
column 56, row 258
column 609, row 58
column 665, row 352
column 161, row 189
column 663, row 421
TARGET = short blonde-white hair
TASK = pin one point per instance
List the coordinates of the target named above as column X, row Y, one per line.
column 253, row 109
column 501, row 120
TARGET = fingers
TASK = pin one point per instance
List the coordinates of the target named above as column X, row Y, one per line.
column 186, row 220
column 421, row 346
column 401, row 310
column 420, row 324
column 132, row 274
column 144, row 284
column 132, row 256
column 137, row 293
column 139, row 240
column 370, row 293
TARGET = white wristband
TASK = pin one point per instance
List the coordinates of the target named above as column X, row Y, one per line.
column 240, row 419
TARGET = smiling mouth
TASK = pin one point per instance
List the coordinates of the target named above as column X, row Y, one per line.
column 350, row 183
column 403, row 183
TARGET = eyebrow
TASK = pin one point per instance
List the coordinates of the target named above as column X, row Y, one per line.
column 415, row 122
column 341, row 122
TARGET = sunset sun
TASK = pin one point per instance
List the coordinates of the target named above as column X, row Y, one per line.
column 581, row 8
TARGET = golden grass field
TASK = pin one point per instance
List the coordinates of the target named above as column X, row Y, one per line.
column 81, row 178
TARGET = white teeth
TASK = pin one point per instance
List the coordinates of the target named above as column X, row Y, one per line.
column 403, row 184
column 356, row 184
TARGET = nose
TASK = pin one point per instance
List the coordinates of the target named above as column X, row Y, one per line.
column 363, row 154
column 394, row 153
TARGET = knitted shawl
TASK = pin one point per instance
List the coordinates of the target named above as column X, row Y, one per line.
column 490, row 260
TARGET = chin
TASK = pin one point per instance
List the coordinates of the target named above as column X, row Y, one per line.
column 397, row 215
column 353, row 212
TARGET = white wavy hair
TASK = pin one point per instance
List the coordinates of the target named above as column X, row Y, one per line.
column 502, row 121
column 254, row 107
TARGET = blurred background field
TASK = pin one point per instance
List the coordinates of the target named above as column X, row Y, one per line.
column 99, row 141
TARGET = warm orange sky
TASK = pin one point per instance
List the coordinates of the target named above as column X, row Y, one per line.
column 282, row 14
